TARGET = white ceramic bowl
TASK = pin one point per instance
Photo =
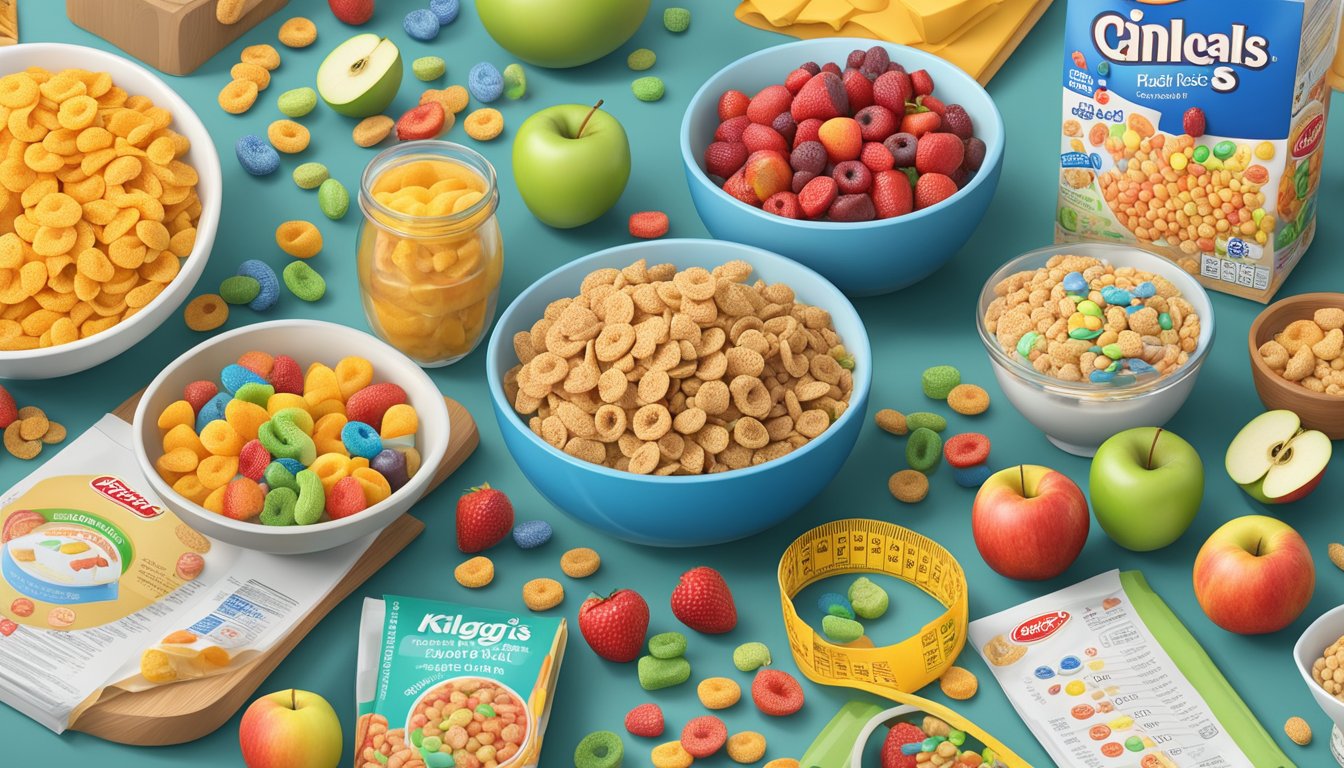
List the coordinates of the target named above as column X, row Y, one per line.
column 136, row 80
column 307, row 341
column 1079, row 416
column 1322, row 632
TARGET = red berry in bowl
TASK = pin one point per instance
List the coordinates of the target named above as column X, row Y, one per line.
column 769, row 102
column 816, row 196
column 852, row 208
column 852, row 177
column 920, row 123
column 732, row 104
column 903, row 147
column 767, row 172
column 922, row 82
column 810, row 67
column 831, row 67
column 808, row 130
column 1193, row 122
column 842, row 138
column 784, row 204
column 932, row 189
column 855, row 59
column 939, row 153
column 875, row 62
column 876, row 122
column 737, row 186
column 808, row 156
column 892, row 90
column 957, row 121
column 759, row 137
column 732, row 128
column 859, row 90
column 800, row 180
column 785, row 126
column 975, row 154
column 822, row 97
column 723, row 158
column 876, row 157
column 892, row 194
column 797, row 79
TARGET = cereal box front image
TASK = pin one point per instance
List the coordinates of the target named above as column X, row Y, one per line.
column 1194, row 129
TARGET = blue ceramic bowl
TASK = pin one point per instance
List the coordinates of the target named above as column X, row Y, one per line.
column 863, row 258
column 692, row 510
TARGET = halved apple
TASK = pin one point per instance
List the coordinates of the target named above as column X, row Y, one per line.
column 1276, row 461
column 360, row 77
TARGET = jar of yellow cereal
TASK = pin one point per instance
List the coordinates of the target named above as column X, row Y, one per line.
column 430, row 253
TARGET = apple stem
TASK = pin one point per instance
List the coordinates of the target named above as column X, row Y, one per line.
column 1257, row 547
column 586, row 118
column 293, row 699
column 1153, row 448
column 1022, row 478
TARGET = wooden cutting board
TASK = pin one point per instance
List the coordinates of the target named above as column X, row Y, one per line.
column 186, row 711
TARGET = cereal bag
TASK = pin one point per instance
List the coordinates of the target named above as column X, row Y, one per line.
column 441, row 684
column 1194, row 128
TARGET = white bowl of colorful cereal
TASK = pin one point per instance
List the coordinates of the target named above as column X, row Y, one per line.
column 346, row 441
column 1088, row 340
column 439, row 724
column 147, row 172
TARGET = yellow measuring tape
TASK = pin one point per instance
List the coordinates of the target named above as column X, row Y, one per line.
column 895, row 671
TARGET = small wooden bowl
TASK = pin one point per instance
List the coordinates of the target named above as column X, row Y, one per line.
column 1317, row 411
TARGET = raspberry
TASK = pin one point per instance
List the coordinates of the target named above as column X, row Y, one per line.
column 346, row 498
column 703, row 736
column 922, row 82
column 370, row 403
column 723, row 158
column 975, row 154
column 875, row 62
column 816, row 196
column 876, row 122
column 1194, row 123
column 776, row 692
column 797, row 79
column 852, row 208
column 732, row 104
column 900, row 735
column 903, row 148
column 648, row 224
column 783, row 204
column 852, row 177
column 808, row 130
column 810, row 67
column 645, row 720
column 286, row 375
column 859, row 89
column 198, row 393
column 822, row 97
column 784, row 126
column 737, row 186
column 876, row 157
column 831, row 67
column 892, row 194
column 732, row 128
column 855, row 59
column 933, row 188
column 243, row 499
column 768, row 103
column 933, row 104
column 892, row 90
column 800, row 180
column 920, row 123
column 253, row 459
column 808, row 156
column 758, row 137
column 957, row 121
column 966, row 449
column 939, row 153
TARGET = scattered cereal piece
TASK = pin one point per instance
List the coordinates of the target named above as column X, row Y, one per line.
column 297, row 102
column 484, row 124
column 515, row 82
column 939, row 380
column 454, row 98
column 655, row 674
column 265, row 276
column 746, row 747
column 776, row 692
column 923, row 450
column 288, row 136
column 262, row 55
column 156, row 666
column 869, row 600
column 671, row 755
column 239, row 289
column 648, row 224
column 372, row 130
column 649, row 88
column 923, row 420
column 782, row 762
column 909, row 485
column 303, row 281
column 425, row 121
column 645, row 720
column 297, row 32
column 17, row 445
column 971, row 477
column 840, row 629
column 640, row 59
column 300, row 239
column 205, row 312
column 55, row 434
column 256, row 156
column 543, row 594
column 835, row 604
column 718, row 692
column 1336, row 554
column 966, row 450
column 445, row 10
column 228, row 12
column 704, row 735
column 892, row 421
column 667, row 645
column 238, row 96
column 421, row 24
column 333, row 199
column 677, row 19
column 475, row 572
column 485, row 82
column 428, row 68
column 311, row 175
column 1298, row 730
column 531, row 534
column 255, row 72
column 968, row 399
column 959, row 683
column 748, row 657
column 599, row 749
column 580, row 562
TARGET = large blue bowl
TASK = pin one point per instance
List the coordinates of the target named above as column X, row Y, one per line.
column 863, row 258
column 693, row 510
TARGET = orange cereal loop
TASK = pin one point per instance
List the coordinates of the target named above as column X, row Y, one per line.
column 746, row 747
column 782, row 762
column 18, row 90
column 255, row 72
column 543, row 594
column 484, row 124
column 671, row 755
column 580, row 562
column 18, row 447
column 288, row 136
column 298, row 238
column 909, row 486
column 238, row 96
column 262, row 55
column 475, row 573
column 206, row 312
column 298, row 32
column 968, row 399
column 455, row 99
column 372, row 130
column 229, row 11
column 718, row 692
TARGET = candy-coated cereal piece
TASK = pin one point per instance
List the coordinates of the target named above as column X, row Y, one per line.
column 599, row 749
column 372, row 130
column 704, row 735
column 243, row 499
column 345, row 498
column 288, row 136
column 908, row 485
column 776, row 692
column 869, row 600
column 543, row 594
column 746, row 747
column 580, row 562
column 262, row 55
column 205, row 312
column 484, row 124
column 748, row 657
column 655, row 674
column 424, row 121
column 177, row 412
column 671, row 755
column 718, row 692
column 298, row 32
column 298, row 238
column 475, row 572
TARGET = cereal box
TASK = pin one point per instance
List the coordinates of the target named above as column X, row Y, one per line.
column 1194, row 128
column 441, row 685
column 1106, row 676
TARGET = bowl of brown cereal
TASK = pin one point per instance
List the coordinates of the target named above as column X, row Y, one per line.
column 108, row 215
column 1088, row 340
column 1297, row 359
column 1319, row 654
column 680, row 392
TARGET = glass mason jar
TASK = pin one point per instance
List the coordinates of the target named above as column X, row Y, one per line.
column 430, row 253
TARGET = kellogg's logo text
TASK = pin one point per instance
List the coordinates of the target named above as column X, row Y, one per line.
column 485, row 633
column 114, row 489
column 1040, row 627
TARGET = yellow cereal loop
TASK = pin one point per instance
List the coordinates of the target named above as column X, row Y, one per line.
column 298, row 32
column 18, row 90
column 177, row 412
column 214, row 471
column 718, row 692
column 671, row 755
column 205, row 312
column 77, row 113
column 184, row 436
column 746, row 747
column 543, row 594
column 484, row 124
column 475, row 573
column 237, row 97
column 298, row 238
column 288, row 136
column 57, row 210
column 255, row 72
column 157, row 667
column 375, row 486
column 262, row 55
column 355, row 373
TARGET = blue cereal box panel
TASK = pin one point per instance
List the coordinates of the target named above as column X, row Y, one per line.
column 1194, row 129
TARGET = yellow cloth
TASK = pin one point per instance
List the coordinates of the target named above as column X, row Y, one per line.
column 976, row 35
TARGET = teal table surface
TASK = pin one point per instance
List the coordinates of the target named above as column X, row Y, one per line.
column 925, row 325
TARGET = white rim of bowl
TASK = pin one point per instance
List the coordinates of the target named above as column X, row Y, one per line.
column 494, row 378
column 1088, row 389
column 430, row 459
column 206, row 225
column 692, row 159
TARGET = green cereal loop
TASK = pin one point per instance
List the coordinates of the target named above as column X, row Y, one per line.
column 641, row 59
column 239, row 289
column 677, row 19
column 925, row 420
column 939, row 380
column 869, row 600
column 668, row 645
column 840, row 629
column 485, row 710
column 428, row 68
column 297, row 416
column 333, row 199
column 599, row 749
column 311, row 175
column 748, row 657
column 924, row 449
column 297, row 102
column 662, row 673
column 255, row 393
column 515, row 82
column 286, row 437
column 303, row 281
column 648, row 88
column 277, row 476
column 312, row 499
column 418, row 738
column 279, row 506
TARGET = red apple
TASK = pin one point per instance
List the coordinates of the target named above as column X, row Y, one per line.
column 1254, row 575
column 290, row 729
column 1029, row 522
column 1275, row 460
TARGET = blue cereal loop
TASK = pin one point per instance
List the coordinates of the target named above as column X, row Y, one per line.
column 360, row 439
column 234, row 376
column 835, row 604
column 270, row 284
column 1116, row 296
column 1132, row 308
column 1074, row 282
column 1139, row 367
column 531, row 534
column 293, row 465
column 444, row 10
column 1102, row 377
column 485, row 82
column 1145, row 290
column 971, row 477
column 213, row 410
column 256, row 155
column 421, row 24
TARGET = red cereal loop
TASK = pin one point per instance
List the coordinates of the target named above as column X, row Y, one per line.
column 776, row 693
column 345, row 498
column 198, row 393
column 243, row 499
column 648, row 224
column 703, row 736
column 421, row 122
column 286, row 375
column 252, row 460
column 370, row 403
column 966, row 450
column 645, row 720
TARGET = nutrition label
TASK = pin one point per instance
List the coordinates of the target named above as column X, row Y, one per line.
column 1246, row 275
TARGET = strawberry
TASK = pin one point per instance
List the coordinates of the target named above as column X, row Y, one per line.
column 900, row 735
column 922, row 82
column 855, row 59
column 816, row 196
column 614, row 626
column 852, row 177
column 875, row 62
column 919, row 123
column 645, row 720
column 484, row 518
column 352, row 12
column 808, row 130
column 783, row 204
column 831, row 67
column 939, row 153
column 891, row 90
column 933, row 188
column 732, row 104
column 876, row 122
column 933, row 104
column 822, row 97
column 957, row 120
column 784, row 126
column 852, row 208
column 737, row 187
column 797, row 79
column 769, row 102
column 800, row 180
column 758, row 137
column 1194, row 123
column 810, row 67
column 975, row 154
column 892, row 194
column 197, row 393
column 858, row 89
column 723, row 158
column 877, row 157
column 701, row 601
column 253, row 459
column 732, row 128
column 9, row 410
column 286, row 375
column 808, row 156
column 767, row 172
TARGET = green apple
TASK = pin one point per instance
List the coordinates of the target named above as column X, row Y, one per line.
column 1146, row 485
column 570, row 163
column 360, row 77
column 290, row 729
column 561, row 33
